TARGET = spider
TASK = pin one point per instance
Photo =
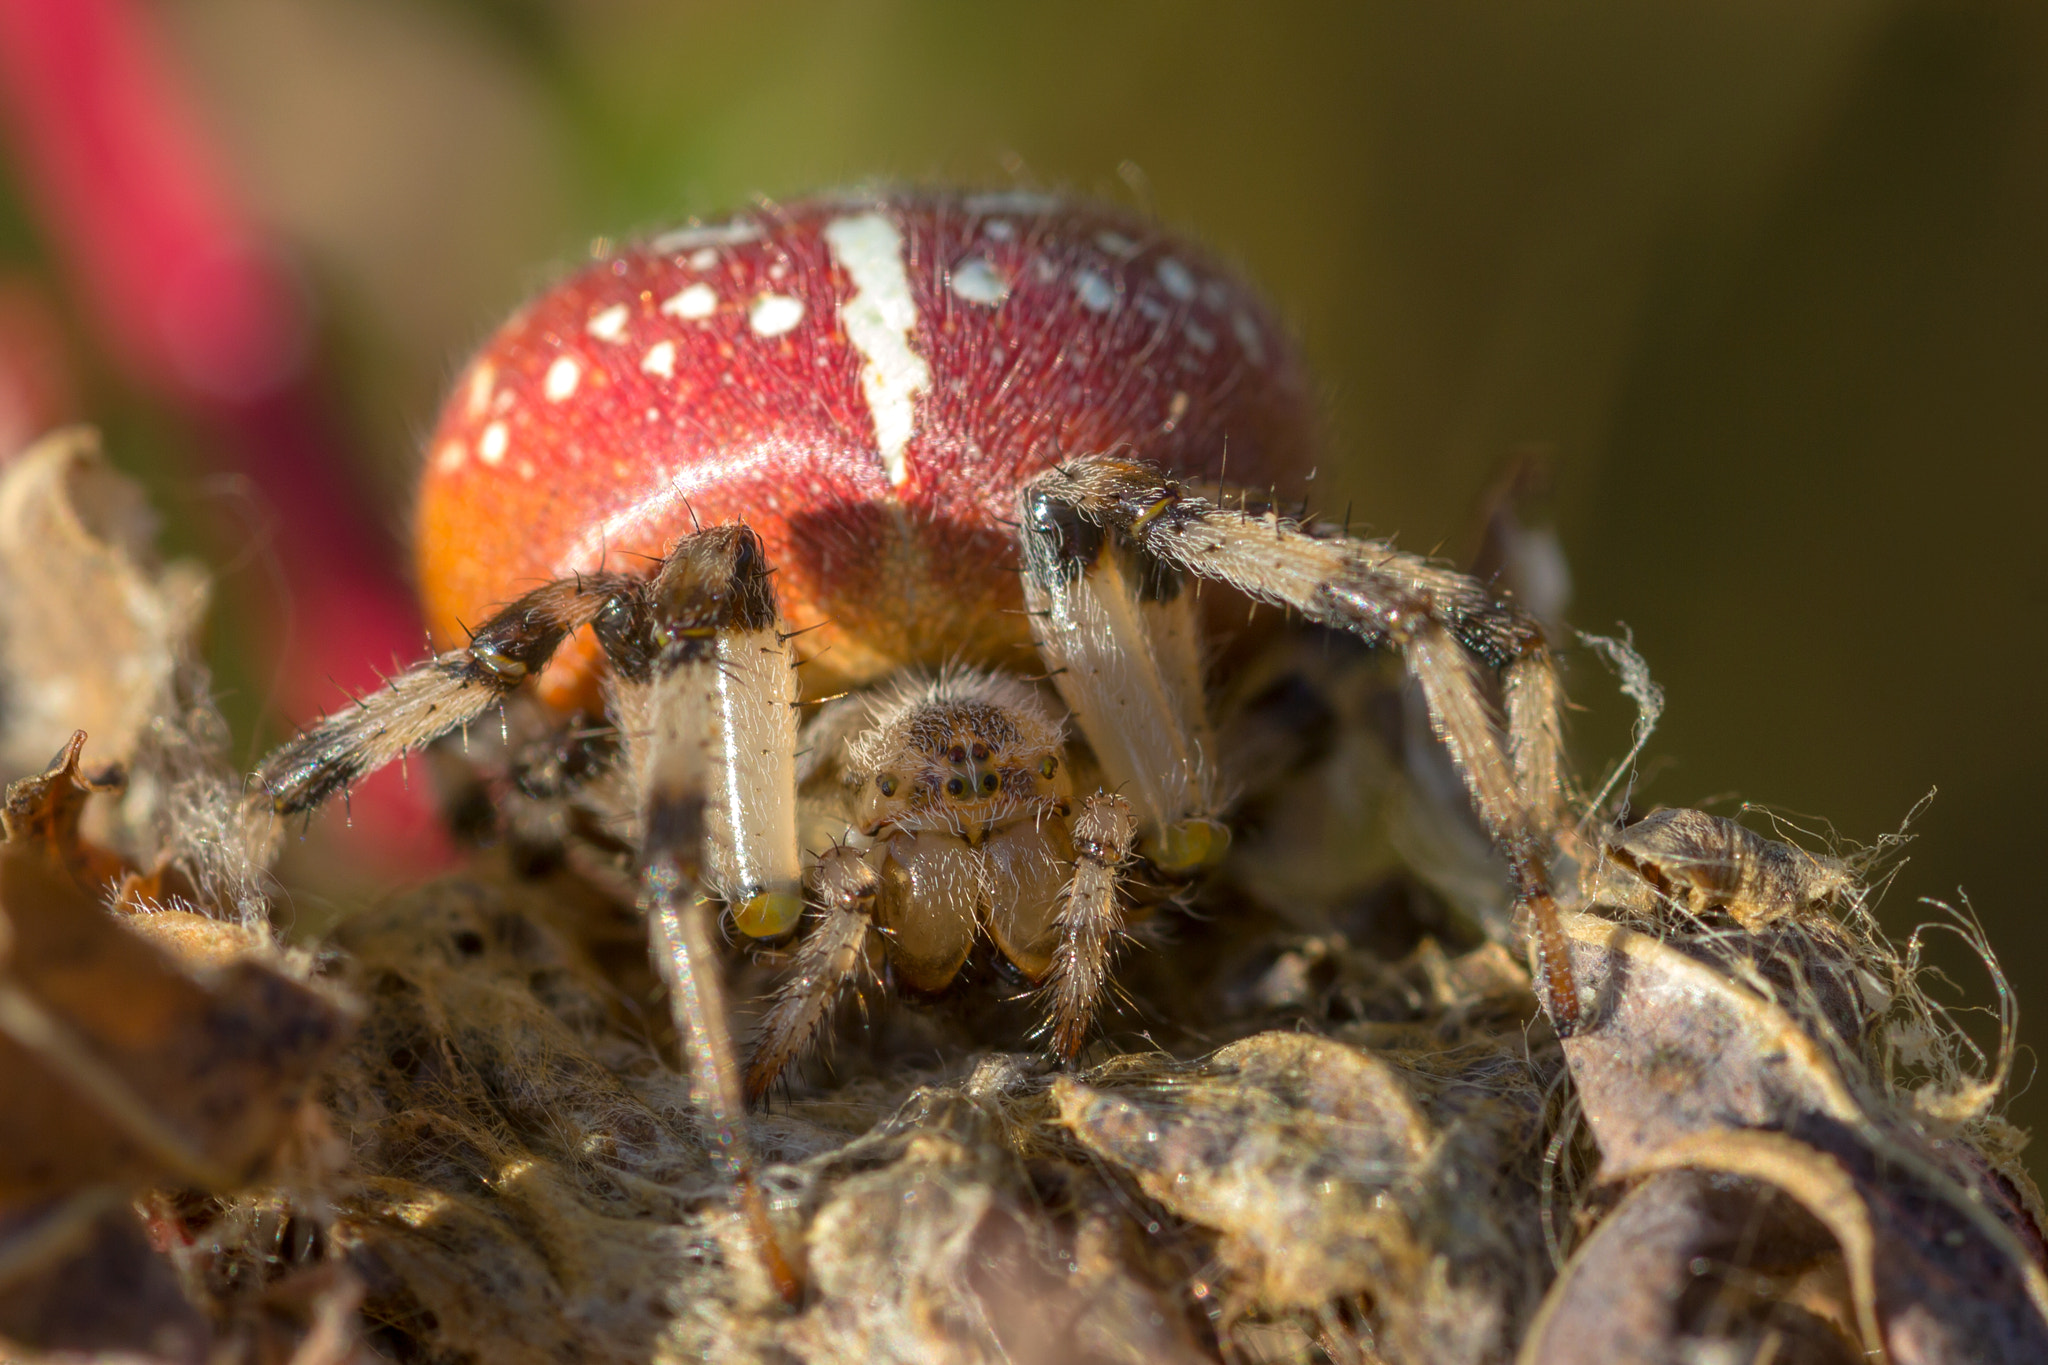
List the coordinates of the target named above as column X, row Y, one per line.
column 966, row 441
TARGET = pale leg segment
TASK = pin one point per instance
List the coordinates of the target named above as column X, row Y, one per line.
column 701, row 687
column 1440, row 619
column 1117, row 630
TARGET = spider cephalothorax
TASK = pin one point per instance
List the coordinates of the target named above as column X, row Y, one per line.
column 885, row 435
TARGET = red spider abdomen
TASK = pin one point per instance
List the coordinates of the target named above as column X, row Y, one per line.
column 866, row 381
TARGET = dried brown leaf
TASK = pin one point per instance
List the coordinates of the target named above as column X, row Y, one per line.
column 1691, row 1266
column 43, row 812
column 119, row 1066
column 1744, row 1055
column 92, row 627
column 1331, row 1173
column 78, row 1275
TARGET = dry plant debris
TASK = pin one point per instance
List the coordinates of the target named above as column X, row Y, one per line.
column 1329, row 1125
column 141, row 1046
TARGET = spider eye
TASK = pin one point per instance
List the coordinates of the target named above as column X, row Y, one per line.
column 957, row 754
column 981, row 753
column 954, row 786
column 989, row 782
column 1047, row 766
column 886, row 784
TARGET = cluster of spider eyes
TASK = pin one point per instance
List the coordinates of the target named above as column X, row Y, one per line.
column 970, row 779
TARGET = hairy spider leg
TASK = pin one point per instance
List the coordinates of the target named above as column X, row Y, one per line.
column 1090, row 919
column 1441, row 621
column 1117, row 629
column 432, row 698
column 831, row 954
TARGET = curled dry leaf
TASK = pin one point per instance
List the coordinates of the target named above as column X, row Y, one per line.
column 92, row 626
column 1696, row 1266
column 120, row 1067
column 1747, row 1056
column 96, row 635
column 45, row 811
column 78, row 1276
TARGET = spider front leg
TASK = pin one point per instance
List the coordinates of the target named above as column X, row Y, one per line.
column 432, row 698
column 1441, row 620
column 704, row 690
column 1117, row 630
column 703, row 685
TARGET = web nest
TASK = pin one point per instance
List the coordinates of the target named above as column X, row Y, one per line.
column 1328, row 1123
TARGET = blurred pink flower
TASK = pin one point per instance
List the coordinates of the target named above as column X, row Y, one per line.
column 183, row 290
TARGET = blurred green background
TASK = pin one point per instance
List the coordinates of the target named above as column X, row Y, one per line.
column 1766, row 283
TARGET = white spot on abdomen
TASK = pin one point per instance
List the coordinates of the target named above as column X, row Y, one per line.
column 736, row 233
column 1116, row 244
column 450, row 456
column 490, row 448
column 561, row 380
column 1097, row 295
column 1176, row 279
column 977, row 281
column 880, row 318
column 482, row 380
column 1248, row 337
column 660, row 359
column 698, row 301
column 610, row 325
column 703, row 258
column 774, row 314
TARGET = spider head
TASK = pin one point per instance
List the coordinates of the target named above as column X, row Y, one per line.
column 964, row 753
